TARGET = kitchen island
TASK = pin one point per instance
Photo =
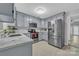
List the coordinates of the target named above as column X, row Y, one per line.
column 18, row 45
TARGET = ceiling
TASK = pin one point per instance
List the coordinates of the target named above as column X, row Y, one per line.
column 51, row 8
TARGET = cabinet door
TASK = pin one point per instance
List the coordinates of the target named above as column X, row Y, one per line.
column 40, row 36
column 59, row 27
column 20, row 20
column 1, row 25
column 42, row 23
column 38, row 23
column 6, row 12
column 35, row 20
column 45, row 36
column 26, row 20
column 45, row 24
column 60, row 33
column 4, row 18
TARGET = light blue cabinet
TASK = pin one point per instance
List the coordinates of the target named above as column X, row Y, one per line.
column 43, row 35
column 44, row 23
column 5, row 18
column 35, row 20
column 26, row 21
column 6, row 12
column 23, row 20
column 20, row 20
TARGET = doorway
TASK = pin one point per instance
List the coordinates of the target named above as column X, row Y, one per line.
column 74, row 35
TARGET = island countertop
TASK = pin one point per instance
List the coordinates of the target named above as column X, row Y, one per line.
column 10, row 42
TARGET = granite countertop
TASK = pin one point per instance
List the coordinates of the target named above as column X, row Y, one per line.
column 9, row 42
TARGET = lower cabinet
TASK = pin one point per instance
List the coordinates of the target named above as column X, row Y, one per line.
column 43, row 36
column 20, row 50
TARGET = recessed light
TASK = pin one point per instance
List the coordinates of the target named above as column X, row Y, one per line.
column 40, row 10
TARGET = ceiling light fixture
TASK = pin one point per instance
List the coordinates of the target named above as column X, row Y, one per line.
column 40, row 10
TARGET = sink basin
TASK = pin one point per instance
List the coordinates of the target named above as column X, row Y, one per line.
column 13, row 39
column 10, row 40
column 13, row 35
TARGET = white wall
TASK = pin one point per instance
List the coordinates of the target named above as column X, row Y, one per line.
column 70, row 16
column 67, row 29
column 76, row 30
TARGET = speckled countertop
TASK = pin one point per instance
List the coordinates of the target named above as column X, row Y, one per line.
column 10, row 42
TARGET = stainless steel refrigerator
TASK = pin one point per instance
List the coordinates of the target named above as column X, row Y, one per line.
column 56, row 33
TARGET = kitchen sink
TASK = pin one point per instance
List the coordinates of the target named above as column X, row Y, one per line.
column 13, row 35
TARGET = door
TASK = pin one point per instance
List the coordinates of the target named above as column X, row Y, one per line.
column 60, row 33
column 75, row 36
column 51, row 33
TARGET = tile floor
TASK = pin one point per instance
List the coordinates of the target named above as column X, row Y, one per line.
column 42, row 48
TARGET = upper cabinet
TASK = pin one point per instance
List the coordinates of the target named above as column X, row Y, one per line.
column 20, row 20
column 44, row 23
column 35, row 20
column 23, row 20
column 6, row 12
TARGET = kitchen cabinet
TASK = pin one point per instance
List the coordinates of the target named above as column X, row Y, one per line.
column 35, row 20
column 44, row 23
column 16, row 46
column 26, row 21
column 40, row 36
column 6, row 12
column 1, row 25
column 23, row 20
column 43, row 36
column 5, row 18
column 20, row 20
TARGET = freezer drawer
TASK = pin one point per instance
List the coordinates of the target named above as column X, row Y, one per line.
column 60, row 41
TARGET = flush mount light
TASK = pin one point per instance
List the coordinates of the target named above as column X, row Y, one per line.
column 40, row 10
